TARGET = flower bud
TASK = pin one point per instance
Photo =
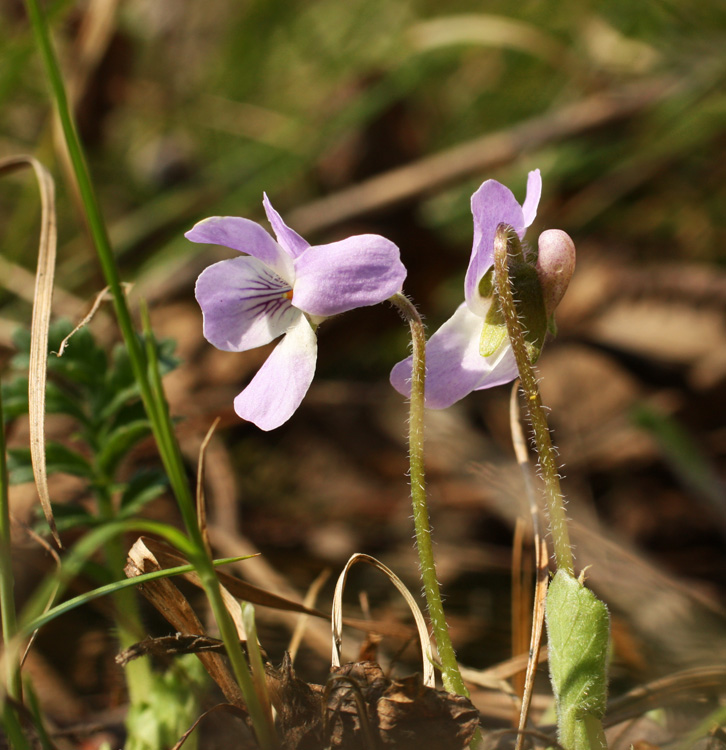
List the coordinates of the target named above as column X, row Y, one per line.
column 555, row 266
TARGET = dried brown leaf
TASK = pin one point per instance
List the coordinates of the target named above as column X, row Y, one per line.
column 172, row 604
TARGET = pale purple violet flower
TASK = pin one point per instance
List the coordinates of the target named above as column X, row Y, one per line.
column 454, row 365
column 285, row 288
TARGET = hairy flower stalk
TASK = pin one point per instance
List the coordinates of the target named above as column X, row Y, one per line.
column 451, row 676
column 506, row 244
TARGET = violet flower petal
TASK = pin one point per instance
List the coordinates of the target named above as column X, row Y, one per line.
column 491, row 205
column 247, row 237
column 504, row 368
column 289, row 239
column 355, row 272
column 531, row 201
column 243, row 303
column 454, row 366
column 276, row 391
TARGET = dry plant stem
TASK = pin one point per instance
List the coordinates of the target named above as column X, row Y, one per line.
column 450, row 673
column 148, row 382
column 537, row 416
column 540, row 558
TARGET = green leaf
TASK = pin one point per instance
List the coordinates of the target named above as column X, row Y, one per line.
column 142, row 489
column 67, row 516
column 83, row 360
column 118, row 443
column 15, row 398
column 578, row 630
column 59, row 460
column 59, row 401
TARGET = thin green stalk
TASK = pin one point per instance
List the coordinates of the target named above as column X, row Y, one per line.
column 13, row 729
column 537, row 415
column 126, row 604
column 154, row 403
column 451, row 676
column 13, row 684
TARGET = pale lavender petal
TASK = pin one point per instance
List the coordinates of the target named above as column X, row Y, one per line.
column 244, row 304
column 354, row 272
column 534, row 193
column 282, row 382
column 454, row 367
column 288, row 238
column 504, row 369
column 492, row 204
column 247, row 237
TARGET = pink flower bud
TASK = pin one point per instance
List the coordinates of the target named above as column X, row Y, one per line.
column 555, row 266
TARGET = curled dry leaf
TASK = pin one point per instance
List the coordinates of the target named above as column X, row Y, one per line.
column 39, row 328
column 404, row 714
column 337, row 616
column 172, row 604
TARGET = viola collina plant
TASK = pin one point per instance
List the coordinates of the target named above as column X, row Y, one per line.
column 471, row 351
column 495, row 335
column 285, row 288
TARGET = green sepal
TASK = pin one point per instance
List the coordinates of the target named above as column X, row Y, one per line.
column 552, row 326
column 492, row 338
column 486, row 284
column 529, row 301
column 578, row 631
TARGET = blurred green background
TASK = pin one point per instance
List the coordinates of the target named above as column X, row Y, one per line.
column 190, row 109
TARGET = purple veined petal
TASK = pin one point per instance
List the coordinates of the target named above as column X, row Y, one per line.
column 247, row 237
column 244, row 304
column 280, row 385
column 454, row 367
column 289, row 239
column 531, row 201
column 492, row 204
column 354, row 272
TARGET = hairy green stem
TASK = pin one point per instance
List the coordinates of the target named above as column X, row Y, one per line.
column 152, row 397
column 450, row 673
column 537, row 415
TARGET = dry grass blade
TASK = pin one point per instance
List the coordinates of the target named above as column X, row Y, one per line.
column 219, row 707
column 540, row 547
column 310, row 599
column 20, row 281
column 700, row 682
column 101, row 297
column 201, row 503
column 485, row 153
column 169, row 558
column 429, row 679
column 39, row 327
column 51, row 598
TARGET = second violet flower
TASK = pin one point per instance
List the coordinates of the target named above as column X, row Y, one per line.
column 455, row 362
column 285, row 288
